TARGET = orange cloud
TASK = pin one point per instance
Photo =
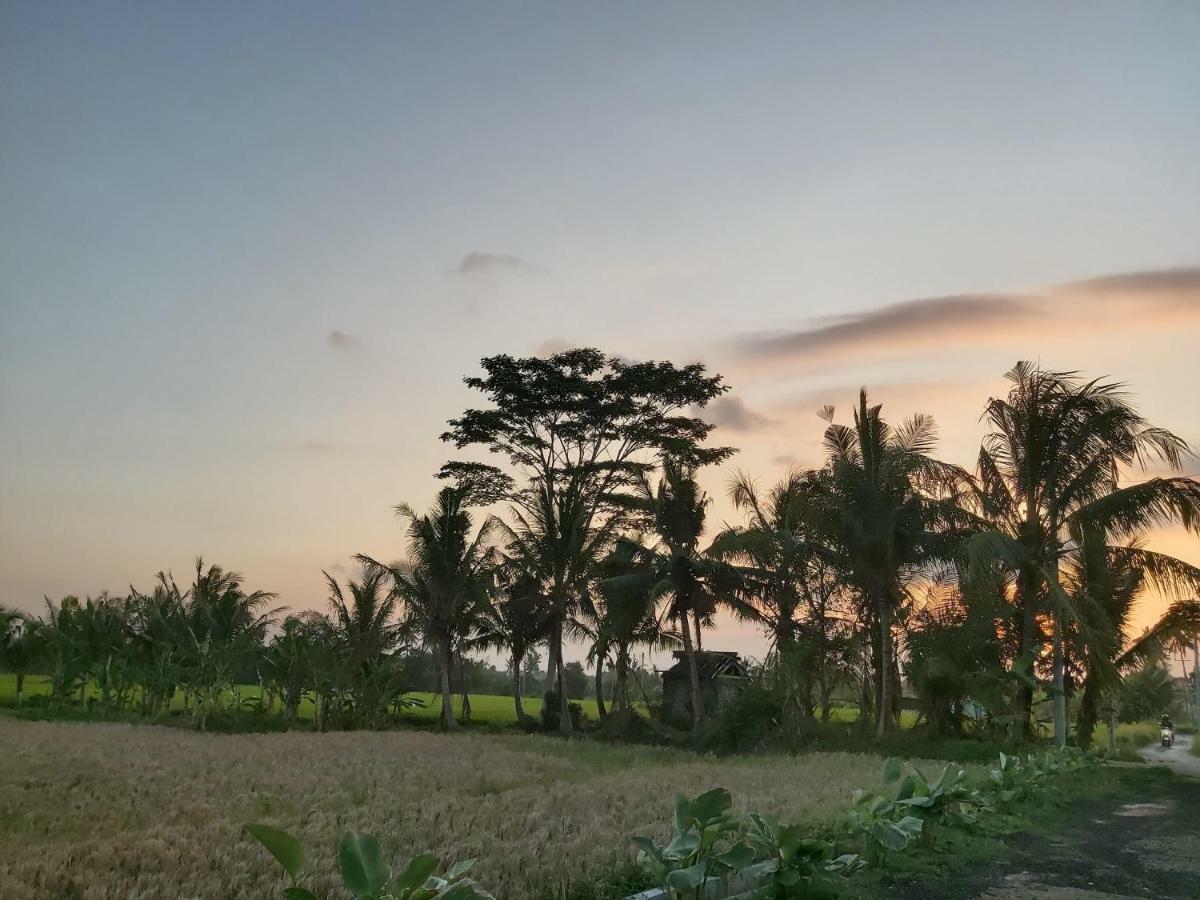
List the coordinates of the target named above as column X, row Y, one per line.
column 1134, row 299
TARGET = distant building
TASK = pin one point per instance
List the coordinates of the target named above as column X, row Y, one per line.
column 722, row 675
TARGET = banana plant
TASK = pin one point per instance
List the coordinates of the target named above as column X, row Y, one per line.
column 804, row 866
column 366, row 873
column 708, row 843
column 949, row 801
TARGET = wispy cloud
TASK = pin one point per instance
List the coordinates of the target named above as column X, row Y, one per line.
column 1133, row 299
column 553, row 345
column 734, row 414
column 340, row 340
column 478, row 263
column 316, row 446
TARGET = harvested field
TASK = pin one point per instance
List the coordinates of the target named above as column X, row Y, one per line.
column 109, row 810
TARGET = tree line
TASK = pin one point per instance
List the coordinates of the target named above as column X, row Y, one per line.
column 582, row 518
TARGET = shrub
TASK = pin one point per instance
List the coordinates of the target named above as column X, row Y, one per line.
column 365, row 873
column 805, row 866
column 707, row 843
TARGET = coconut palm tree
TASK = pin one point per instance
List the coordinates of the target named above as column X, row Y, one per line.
column 159, row 642
column 673, row 512
column 445, row 579
column 1105, row 584
column 625, row 617
column 788, row 573
column 516, row 620
column 887, row 507
column 776, row 550
column 1050, row 467
column 289, row 662
column 558, row 543
column 366, row 630
column 226, row 627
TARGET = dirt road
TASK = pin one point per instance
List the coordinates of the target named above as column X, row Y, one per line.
column 1142, row 842
column 1178, row 758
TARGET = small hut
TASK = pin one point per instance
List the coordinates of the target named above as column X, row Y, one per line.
column 722, row 675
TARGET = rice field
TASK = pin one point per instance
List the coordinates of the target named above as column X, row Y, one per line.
column 487, row 709
column 109, row 810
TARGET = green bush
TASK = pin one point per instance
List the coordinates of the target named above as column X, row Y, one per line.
column 707, row 843
column 805, row 866
column 367, row 875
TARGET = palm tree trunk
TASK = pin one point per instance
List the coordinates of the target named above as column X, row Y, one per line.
column 621, row 689
column 1029, row 631
column 885, row 667
column 518, row 699
column 685, row 629
column 446, row 653
column 1089, row 711
column 20, row 686
column 600, row 687
column 466, row 697
column 1060, row 694
column 699, row 633
column 564, row 703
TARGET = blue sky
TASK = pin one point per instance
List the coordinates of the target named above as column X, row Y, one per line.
column 247, row 251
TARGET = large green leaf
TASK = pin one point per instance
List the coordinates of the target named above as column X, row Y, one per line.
column 281, row 845
column 683, row 880
column 893, row 768
column 365, row 873
column 459, row 869
column 466, row 890
column 416, row 872
column 711, row 805
column 736, row 857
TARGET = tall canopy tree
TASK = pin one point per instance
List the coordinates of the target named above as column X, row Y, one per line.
column 1050, row 467
column 577, row 428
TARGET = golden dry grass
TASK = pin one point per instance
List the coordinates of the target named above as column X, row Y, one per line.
column 120, row 811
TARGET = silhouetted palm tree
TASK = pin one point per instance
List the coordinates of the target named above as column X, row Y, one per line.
column 516, row 620
column 625, row 617
column 1050, row 467
column 558, row 547
column 885, row 512
column 1105, row 584
column 367, row 632
column 674, row 512
column 445, row 578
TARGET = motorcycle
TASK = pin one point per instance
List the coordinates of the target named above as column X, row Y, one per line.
column 1168, row 737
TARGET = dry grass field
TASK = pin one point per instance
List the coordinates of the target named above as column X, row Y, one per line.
column 120, row 811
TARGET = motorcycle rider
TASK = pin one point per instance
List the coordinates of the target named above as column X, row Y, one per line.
column 1166, row 724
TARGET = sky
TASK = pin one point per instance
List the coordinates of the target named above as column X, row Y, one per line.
column 248, row 251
